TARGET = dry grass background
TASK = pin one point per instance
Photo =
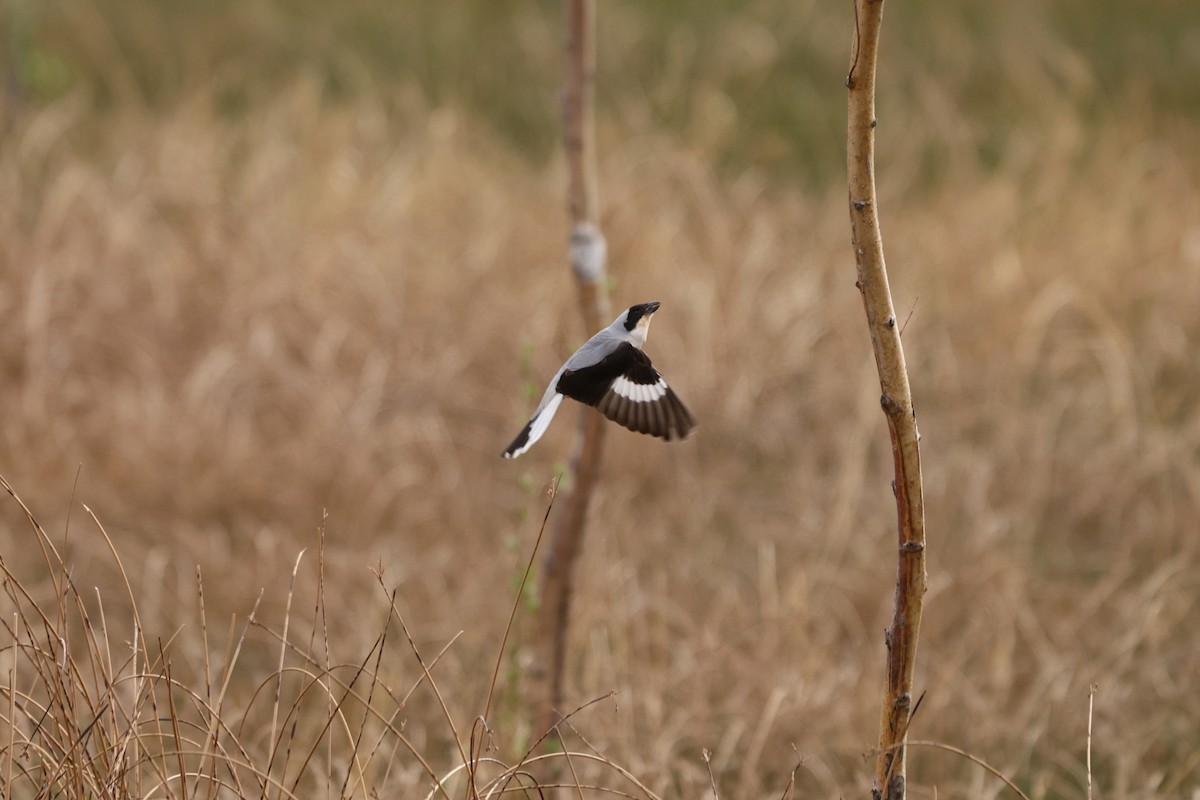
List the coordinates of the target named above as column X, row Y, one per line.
column 259, row 267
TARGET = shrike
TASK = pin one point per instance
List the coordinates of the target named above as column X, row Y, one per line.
column 612, row 374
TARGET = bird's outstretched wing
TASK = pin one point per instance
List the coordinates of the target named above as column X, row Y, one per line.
column 625, row 387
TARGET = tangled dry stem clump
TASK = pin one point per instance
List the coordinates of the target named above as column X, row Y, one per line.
column 88, row 712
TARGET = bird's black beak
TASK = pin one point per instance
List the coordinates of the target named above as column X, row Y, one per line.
column 651, row 307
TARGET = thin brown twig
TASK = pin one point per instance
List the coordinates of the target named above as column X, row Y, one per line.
column 896, row 400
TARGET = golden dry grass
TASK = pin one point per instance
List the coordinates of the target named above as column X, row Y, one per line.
column 228, row 328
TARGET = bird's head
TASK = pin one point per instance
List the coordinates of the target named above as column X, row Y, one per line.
column 636, row 321
column 639, row 316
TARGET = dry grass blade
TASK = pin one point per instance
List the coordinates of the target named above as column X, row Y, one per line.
column 432, row 663
column 595, row 751
column 712, row 780
column 358, row 736
column 12, row 702
column 233, row 652
column 1091, row 699
column 487, row 706
column 287, row 618
column 177, row 739
column 501, row 784
column 582, row 756
column 481, row 723
column 335, row 712
column 575, row 787
column 766, row 721
column 53, row 564
column 446, row 715
column 323, row 615
column 791, row 784
column 974, row 759
column 210, row 734
column 137, row 641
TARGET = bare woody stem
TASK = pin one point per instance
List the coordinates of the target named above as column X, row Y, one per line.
column 901, row 636
column 587, row 252
column 579, row 139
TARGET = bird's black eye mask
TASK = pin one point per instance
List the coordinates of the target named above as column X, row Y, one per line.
column 635, row 314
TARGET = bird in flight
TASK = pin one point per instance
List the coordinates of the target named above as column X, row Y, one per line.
column 612, row 374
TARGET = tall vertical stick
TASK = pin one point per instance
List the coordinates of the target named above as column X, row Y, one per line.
column 901, row 636
column 587, row 253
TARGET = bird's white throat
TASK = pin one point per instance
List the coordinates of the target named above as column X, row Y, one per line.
column 639, row 332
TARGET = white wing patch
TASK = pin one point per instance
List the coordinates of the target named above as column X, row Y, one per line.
column 639, row 392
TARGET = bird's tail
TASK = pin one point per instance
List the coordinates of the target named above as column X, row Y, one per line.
column 534, row 429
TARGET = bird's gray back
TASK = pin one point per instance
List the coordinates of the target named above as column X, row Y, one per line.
column 595, row 349
column 592, row 352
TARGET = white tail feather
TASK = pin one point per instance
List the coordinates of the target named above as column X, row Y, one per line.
column 538, row 425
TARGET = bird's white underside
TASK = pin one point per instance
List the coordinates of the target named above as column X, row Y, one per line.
column 638, row 392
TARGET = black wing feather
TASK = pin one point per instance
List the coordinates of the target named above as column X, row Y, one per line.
column 666, row 417
column 589, row 384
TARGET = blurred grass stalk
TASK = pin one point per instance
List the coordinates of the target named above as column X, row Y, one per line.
column 587, row 254
column 901, row 636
